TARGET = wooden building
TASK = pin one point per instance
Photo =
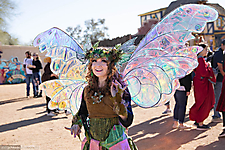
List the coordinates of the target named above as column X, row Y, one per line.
column 214, row 31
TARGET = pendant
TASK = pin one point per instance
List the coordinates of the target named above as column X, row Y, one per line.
column 97, row 98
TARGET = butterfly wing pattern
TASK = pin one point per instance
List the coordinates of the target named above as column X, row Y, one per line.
column 161, row 58
column 68, row 62
column 64, row 94
column 151, row 69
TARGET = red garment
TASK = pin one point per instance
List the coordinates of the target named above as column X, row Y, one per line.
column 221, row 102
column 203, row 92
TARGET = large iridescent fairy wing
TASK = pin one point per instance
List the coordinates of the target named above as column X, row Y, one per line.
column 64, row 94
column 161, row 57
column 58, row 44
column 68, row 63
column 67, row 55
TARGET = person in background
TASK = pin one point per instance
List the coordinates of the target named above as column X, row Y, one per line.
column 203, row 91
column 209, row 56
column 181, row 97
column 48, row 75
column 35, row 67
column 221, row 107
column 28, row 73
column 168, row 110
column 218, row 64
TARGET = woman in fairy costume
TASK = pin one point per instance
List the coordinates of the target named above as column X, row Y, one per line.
column 102, row 97
column 105, row 101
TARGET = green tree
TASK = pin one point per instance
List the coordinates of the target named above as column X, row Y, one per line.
column 6, row 39
column 6, row 12
column 6, row 9
column 94, row 31
column 75, row 33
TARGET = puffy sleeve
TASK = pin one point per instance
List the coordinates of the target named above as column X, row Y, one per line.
column 83, row 108
column 130, row 116
column 203, row 68
column 83, row 112
column 205, row 71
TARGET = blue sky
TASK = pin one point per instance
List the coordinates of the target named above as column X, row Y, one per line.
column 36, row 16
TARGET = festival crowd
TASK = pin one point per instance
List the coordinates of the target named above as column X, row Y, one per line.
column 208, row 84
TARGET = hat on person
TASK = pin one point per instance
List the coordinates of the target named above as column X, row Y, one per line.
column 35, row 54
column 47, row 60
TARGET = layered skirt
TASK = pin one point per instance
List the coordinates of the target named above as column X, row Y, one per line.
column 106, row 134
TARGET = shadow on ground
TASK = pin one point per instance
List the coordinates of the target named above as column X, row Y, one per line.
column 218, row 145
column 18, row 124
column 41, row 112
column 157, row 133
column 14, row 100
column 32, row 106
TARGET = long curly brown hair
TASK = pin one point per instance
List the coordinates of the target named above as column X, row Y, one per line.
column 92, row 80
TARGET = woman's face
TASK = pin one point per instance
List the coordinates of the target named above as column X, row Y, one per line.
column 100, row 67
column 35, row 56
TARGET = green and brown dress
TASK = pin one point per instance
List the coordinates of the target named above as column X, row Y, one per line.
column 102, row 118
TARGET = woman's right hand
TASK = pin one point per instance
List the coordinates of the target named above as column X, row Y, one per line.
column 75, row 129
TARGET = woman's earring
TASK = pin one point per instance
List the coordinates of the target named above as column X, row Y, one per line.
column 91, row 74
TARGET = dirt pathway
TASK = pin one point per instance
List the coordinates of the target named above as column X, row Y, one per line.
column 24, row 122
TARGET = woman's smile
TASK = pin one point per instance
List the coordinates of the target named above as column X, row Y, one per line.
column 99, row 70
column 100, row 67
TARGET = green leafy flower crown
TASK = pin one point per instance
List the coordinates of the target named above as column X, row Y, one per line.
column 112, row 54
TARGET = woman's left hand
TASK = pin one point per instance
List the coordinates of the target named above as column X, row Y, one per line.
column 116, row 87
column 119, row 104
